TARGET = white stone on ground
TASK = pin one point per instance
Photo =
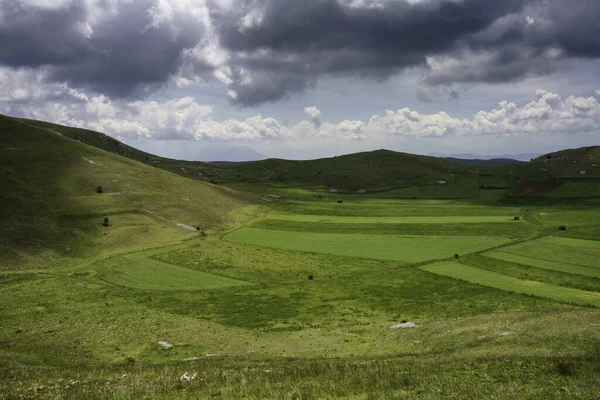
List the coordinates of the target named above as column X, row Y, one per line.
column 404, row 325
column 186, row 377
column 188, row 227
column 165, row 345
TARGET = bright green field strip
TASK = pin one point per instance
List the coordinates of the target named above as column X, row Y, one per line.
column 580, row 243
column 382, row 247
column 136, row 270
column 392, row 220
column 551, row 249
column 544, row 264
column 509, row 283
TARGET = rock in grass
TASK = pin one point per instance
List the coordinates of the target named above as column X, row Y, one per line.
column 165, row 345
column 404, row 325
column 188, row 378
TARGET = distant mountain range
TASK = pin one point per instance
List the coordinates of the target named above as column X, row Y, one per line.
column 471, row 156
column 230, row 153
column 492, row 162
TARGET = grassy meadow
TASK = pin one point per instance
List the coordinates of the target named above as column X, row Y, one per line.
column 294, row 298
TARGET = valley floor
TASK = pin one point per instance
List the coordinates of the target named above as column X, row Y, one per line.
column 299, row 303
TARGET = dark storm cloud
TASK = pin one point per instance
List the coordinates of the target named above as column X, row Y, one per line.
column 32, row 39
column 127, row 54
column 280, row 47
column 492, row 41
column 429, row 26
column 299, row 41
column 124, row 55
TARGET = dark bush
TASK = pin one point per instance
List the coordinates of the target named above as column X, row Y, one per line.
column 213, row 181
column 99, row 189
column 340, row 201
column 105, row 222
column 517, row 218
column 456, row 256
column 562, row 228
column 564, row 369
column 310, row 277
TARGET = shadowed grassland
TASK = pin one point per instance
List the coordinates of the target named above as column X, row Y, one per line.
column 392, row 220
column 381, row 247
column 52, row 212
column 544, row 264
column 138, row 271
column 508, row 283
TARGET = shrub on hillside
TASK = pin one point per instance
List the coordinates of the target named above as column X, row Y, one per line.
column 99, row 189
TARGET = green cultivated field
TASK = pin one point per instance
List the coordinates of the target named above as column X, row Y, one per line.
column 357, row 207
column 584, row 253
column 578, row 243
column 381, row 247
column 393, row 220
column 138, row 271
column 508, row 283
column 545, row 264
column 293, row 298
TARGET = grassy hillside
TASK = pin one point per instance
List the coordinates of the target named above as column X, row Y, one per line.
column 50, row 207
column 578, row 164
column 373, row 171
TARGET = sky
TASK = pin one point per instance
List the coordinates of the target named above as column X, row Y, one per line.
column 206, row 79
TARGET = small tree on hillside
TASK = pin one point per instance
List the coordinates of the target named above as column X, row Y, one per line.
column 105, row 222
column 99, row 189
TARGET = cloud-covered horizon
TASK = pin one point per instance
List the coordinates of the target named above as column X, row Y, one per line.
column 185, row 119
column 263, row 51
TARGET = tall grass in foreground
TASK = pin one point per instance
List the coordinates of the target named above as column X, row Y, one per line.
column 426, row 377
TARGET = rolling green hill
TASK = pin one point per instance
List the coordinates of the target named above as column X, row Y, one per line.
column 402, row 174
column 373, row 171
column 50, row 207
column 582, row 163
